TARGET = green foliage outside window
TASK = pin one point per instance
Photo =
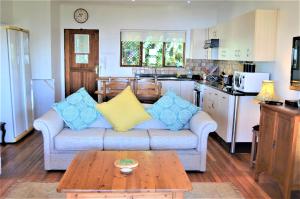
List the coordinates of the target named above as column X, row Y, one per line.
column 153, row 54
column 131, row 53
column 174, row 54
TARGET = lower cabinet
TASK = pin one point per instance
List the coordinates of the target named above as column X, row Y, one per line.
column 220, row 106
column 279, row 147
column 181, row 88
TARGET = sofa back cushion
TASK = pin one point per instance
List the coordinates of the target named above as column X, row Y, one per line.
column 101, row 122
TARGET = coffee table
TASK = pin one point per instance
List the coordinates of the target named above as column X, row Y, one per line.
column 92, row 174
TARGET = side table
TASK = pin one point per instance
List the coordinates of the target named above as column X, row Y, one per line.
column 2, row 128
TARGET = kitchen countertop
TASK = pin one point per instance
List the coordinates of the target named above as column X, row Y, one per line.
column 222, row 88
column 164, row 77
column 214, row 85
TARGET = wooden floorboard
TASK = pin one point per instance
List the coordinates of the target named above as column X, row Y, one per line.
column 23, row 161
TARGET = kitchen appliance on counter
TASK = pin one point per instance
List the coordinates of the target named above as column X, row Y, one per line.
column 249, row 67
column 226, row 79
column 248, row 82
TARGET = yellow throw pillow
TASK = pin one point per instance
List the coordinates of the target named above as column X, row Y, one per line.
column 124, row 111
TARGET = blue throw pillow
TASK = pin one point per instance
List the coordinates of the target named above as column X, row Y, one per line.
column 173, row 111
column 77, row 110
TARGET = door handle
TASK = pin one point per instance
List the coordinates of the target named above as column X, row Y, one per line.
column 97, row 69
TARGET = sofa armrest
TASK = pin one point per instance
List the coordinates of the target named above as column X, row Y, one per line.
column 202, row 124
column 50, row 124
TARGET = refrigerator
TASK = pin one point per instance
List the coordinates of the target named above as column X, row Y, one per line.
column 16, row 108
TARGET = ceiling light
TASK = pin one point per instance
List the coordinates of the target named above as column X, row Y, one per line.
column 189, row 2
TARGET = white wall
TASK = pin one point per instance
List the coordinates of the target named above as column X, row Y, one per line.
column 35, row 16
column 6, row 12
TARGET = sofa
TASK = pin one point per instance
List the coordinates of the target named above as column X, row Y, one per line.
column 61, row 143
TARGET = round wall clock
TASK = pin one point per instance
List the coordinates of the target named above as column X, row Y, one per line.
column 81, row 15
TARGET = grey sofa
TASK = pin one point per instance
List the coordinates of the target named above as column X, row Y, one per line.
column 61, row 143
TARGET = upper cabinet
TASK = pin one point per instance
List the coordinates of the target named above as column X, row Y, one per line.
column 250, row 37
column 198, row 37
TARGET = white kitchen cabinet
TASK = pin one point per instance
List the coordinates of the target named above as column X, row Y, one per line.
column 249, row 37
column 220, row 106
column 186, row 90
column 181, row 88
column 213, row 32
column 170, row 86
column 198, row 37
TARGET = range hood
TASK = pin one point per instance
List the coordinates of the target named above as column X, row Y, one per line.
column 211, row 43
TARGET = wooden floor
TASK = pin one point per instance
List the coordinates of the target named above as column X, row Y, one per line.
column 24, row 162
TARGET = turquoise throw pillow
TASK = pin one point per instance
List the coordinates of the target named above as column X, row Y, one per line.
column 173, row 111
column 77, row 110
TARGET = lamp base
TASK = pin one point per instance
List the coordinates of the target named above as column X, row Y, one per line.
column 293, row 103
column 276, row 103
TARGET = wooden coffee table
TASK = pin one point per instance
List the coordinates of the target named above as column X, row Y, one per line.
column 92, row 174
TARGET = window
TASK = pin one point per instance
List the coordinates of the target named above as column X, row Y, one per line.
column 152, row 48
column 82, row 48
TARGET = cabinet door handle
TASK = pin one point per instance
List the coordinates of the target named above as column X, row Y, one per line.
column 213, row 106
column 274, row 144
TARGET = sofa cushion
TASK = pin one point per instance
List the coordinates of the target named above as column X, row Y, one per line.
column 165, row 139
column 124, row 111
column 174, row 111
column 131, row 140
column 77, row 110
column 90, row 138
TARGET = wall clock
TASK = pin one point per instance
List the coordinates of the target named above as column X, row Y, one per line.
column 81, row 15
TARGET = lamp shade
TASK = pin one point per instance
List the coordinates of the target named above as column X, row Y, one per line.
column 267, row 92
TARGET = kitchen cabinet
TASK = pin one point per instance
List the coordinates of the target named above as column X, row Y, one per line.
column 198, row 37
column 249, row 37
column 278, row 152
column 221, row 106
column 181, row 88
column 213, row 32
column 170, row 86
column 186, row 90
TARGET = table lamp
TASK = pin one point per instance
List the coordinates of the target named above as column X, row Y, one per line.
column 267, row 93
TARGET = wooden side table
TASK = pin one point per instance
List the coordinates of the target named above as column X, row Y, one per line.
column 3, row 132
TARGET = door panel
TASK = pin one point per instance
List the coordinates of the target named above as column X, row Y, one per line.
column 81, row 60
column 76, row 79
column 284, row 144
column 268, row 125
column 17, row 82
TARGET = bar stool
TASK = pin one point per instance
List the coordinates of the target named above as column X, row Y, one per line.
column 2, row 128
column 255, row 131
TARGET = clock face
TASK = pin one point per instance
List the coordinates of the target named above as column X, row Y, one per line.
column 81, row 15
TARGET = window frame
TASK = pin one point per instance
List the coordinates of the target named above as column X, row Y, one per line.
column 141, row 56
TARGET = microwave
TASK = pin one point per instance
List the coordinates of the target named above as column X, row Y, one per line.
column 248, row 82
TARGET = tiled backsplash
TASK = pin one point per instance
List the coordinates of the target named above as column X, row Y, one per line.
column 197, row 66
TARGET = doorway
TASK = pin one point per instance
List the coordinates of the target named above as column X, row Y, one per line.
column 81, row 60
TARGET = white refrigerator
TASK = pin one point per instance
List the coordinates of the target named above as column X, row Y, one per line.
column 16, row 87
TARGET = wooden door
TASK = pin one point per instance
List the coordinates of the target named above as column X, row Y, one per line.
column 81, row 60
